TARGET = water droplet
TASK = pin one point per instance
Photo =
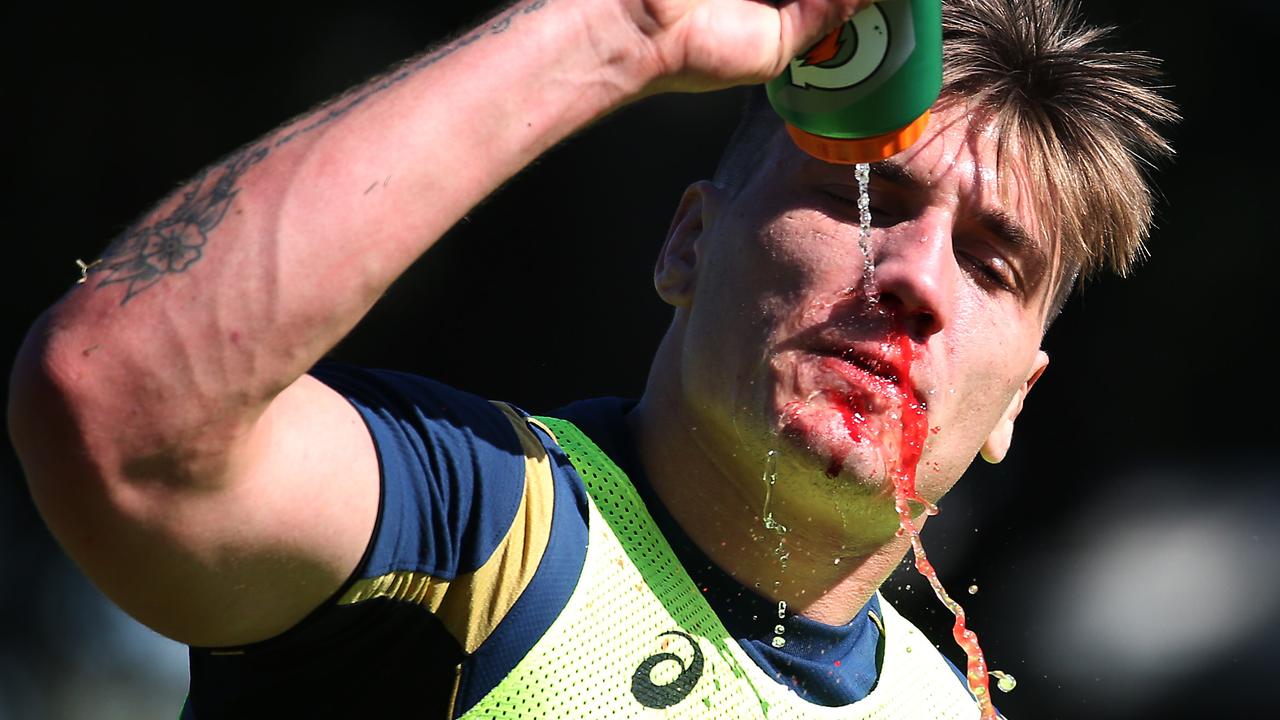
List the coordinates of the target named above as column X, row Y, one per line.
column 973, row 589
column 779, row 629
column 782, row 609
column 836, row 561
column 908, row 586
column 779, row 642
column 1004, row 681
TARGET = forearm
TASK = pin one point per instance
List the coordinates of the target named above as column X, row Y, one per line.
column 273, row 254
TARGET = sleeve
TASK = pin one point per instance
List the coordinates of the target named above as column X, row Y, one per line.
column 452, row 471
column 452, row 484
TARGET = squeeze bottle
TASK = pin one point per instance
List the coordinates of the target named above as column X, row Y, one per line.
column 863, row 92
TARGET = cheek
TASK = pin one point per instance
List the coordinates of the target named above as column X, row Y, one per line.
column 986, row 363
column 756, row 290
column 812, row 248
column 767, row 274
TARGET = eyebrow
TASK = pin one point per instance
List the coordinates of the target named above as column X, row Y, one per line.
column 1001, row 224
column 996, row 221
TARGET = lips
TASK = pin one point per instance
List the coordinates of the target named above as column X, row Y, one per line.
column 879, row 366
column 853, row 388
column 868, row 357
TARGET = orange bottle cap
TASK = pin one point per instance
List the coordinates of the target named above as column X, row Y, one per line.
column 850, row 151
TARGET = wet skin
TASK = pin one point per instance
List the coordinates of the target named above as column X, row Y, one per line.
column 775, row 340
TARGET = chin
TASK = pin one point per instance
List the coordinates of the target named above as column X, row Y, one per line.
column 830, row 442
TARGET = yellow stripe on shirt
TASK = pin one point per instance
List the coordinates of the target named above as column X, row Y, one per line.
column 471, row 605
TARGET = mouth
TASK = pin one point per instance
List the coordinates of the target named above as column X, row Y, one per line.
column 860, row 400
column 879, row 365
column 882, row 368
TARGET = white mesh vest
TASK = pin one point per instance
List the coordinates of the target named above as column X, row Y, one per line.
column 637, row 640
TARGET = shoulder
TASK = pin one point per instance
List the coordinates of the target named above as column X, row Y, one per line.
column 479, row 541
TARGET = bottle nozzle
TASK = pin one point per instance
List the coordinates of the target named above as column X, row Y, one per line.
column 851, row 151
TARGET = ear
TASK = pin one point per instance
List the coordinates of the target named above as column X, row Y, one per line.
column 998, row 442
column 675, row 274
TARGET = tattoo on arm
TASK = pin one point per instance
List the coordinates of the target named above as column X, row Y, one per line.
column 144, row 254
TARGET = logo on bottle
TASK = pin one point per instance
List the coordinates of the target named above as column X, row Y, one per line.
column 846, row 56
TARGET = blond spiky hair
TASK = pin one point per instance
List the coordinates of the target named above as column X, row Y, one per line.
column 1084, row 117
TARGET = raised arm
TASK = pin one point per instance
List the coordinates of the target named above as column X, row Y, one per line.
column 167, row 430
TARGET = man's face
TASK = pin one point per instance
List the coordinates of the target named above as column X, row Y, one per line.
column 782, row 347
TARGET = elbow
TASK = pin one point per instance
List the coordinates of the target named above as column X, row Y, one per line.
column 63, row 478
column 74, row 419
column 44, row 425
column 89, row 419
column 94, row 458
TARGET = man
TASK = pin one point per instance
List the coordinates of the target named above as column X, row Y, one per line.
column 330, row 539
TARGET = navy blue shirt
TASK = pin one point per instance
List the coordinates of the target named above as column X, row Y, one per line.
column 452, row 477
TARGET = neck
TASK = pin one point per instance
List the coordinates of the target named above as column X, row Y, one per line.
column 825, row 564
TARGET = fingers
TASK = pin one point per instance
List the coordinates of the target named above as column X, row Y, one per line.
column 804, row 22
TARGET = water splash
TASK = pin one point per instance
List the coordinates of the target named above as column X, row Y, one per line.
column 770, row 478
column 1004, row 681
column 909, row 437
column 862, row 172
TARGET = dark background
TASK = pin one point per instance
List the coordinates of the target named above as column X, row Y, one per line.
column 1124, row 553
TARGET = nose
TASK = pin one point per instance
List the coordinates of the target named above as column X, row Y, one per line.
column 915, row 273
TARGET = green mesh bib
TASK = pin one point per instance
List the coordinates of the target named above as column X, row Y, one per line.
column 637, row 640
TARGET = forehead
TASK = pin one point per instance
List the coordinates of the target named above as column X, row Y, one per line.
column 957, row 159
column 958, row 165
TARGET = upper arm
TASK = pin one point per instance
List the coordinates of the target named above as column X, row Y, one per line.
column 230, row 561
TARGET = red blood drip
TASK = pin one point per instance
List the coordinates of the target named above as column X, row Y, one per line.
column 915, row 429
column 854, row 413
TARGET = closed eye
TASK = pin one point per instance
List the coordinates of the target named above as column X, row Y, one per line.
column 992, row 271
column 883, row 214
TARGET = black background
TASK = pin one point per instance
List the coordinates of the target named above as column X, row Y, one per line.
column 1156, row 418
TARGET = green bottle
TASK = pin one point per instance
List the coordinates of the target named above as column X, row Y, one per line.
column 863, row 92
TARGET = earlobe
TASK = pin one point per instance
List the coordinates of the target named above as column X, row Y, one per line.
column 998, row 442
column 675, row 274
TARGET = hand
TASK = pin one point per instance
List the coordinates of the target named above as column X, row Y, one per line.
column 702, row 45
